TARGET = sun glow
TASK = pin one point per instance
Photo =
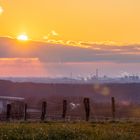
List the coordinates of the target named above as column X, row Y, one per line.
column 1, row 10
column 23, row 37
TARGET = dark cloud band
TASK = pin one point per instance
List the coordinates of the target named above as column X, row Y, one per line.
column 53, row 52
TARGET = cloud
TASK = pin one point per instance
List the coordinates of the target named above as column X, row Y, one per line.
column 21, row 67
column 50, row 35
column 54, row 33
column 63, row 52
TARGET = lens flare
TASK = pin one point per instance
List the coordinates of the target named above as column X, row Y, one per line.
column 1, row 10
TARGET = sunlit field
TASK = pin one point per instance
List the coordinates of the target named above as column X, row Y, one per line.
column 70, row 131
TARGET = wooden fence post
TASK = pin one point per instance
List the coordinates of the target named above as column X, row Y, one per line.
column 87, row 108
column 43, row 114
column 8, row 114
column 25, row 112
column 113, row 108
column 64, row 109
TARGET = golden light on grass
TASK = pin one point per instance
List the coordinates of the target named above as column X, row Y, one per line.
column 23, row 37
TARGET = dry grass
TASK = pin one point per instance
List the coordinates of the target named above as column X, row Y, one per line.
column 70, row 131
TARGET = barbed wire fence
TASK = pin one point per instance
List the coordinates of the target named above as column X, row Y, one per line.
column 71, row 109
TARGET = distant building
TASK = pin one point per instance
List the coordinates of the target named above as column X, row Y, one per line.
column 17, row 104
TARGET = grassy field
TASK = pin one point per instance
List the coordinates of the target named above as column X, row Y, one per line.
column 69, row 131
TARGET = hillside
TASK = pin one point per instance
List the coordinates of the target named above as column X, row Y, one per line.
column 122, row 92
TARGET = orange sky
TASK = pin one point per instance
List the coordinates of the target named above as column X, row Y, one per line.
column 85, row 20
column 101, row 26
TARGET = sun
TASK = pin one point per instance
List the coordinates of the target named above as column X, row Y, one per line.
column 23, row 37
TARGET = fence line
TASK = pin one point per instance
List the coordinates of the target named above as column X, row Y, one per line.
column 43, row 115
